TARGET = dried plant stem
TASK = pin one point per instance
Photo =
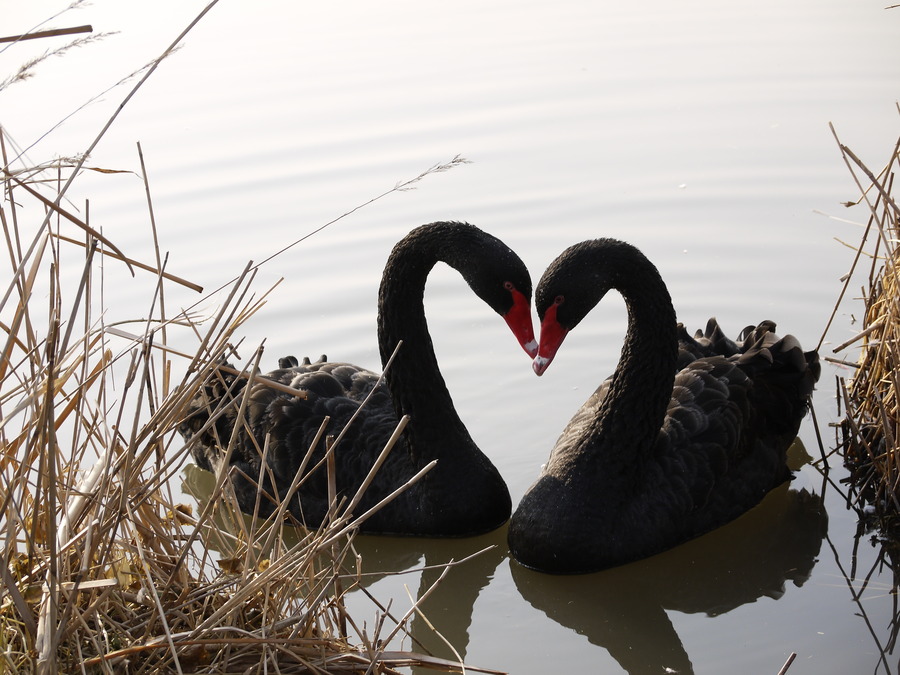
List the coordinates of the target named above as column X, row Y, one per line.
column 103, row 569
column 871, row 425
column 47, row 33
column 787, row 664
column 131, row 262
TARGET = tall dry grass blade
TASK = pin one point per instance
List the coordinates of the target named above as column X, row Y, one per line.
column 54, row 207
column 131, row 262
column 104, row 571
column 54, row 32
column 27, row 285
column 376, row 466
column 358, row 520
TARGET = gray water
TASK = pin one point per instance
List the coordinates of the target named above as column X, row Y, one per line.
column 696, row 130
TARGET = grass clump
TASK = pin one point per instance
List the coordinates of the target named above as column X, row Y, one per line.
column 870, row 429
column 105, row 568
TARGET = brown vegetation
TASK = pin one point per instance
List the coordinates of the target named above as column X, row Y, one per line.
column 105, row 567
column 870, row 431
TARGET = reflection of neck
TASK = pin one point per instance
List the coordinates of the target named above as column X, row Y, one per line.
column 451, row 602
column 642, row 639
column 619, row 610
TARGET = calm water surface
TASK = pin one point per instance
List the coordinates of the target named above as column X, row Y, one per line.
column 697, row 131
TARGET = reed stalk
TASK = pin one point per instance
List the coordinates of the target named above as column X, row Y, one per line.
column 106, row 568
column 870, row 430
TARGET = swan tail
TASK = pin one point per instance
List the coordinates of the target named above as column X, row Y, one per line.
column 783, row 376
column 703, row 344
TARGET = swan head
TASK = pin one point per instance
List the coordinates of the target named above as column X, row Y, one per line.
column 496, row 274
column 572, row 285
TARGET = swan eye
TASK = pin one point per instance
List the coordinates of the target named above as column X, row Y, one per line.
column 508, row 285
column 558, row 300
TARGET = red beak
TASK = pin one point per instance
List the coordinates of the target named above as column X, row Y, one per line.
column 552, row 336
column 518, row 318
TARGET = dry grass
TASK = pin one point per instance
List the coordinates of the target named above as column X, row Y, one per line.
column 871, row 399
column 105, row 570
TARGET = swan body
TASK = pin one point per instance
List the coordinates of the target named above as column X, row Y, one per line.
column 686, row 435
column 463, row 494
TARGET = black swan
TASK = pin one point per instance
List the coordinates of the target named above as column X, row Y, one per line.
column 685, row 436
column 464, row 493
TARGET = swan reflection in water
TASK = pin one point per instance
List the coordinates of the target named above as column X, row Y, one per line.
column 448, row 606
column 624, row 609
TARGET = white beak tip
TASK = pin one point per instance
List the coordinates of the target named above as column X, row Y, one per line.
column 540, row 365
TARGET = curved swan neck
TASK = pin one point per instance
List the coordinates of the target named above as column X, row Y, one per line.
column 414, row 379
column 641, row 386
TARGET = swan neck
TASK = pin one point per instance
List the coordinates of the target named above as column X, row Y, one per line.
column 634, row 410
column 414, row 378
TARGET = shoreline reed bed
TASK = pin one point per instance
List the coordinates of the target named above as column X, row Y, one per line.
column 105, row 569
column 869, row 431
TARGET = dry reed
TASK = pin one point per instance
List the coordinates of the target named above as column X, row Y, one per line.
column 870, row 429
column 105, row 570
